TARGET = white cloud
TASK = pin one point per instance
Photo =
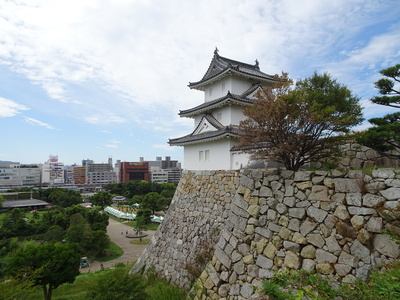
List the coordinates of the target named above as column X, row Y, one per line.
column 9, row 108
column 104, row 118
column 34, row 122
column 112, row 144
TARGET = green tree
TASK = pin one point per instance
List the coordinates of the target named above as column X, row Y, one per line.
column 140, row 226
column 79, row 232
column 1, row 200
column 47, row 265
column 384, row 136
column 64, row 197
column 102, row 199
column 298, row 125
column 151, row 200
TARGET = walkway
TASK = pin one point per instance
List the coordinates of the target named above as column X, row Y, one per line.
column 131, row 252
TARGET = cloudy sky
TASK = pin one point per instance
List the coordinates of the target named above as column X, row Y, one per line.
column 99, row 78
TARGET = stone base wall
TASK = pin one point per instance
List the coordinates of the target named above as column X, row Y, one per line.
column 337, row 223
column 191, row 226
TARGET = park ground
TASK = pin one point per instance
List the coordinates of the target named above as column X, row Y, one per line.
column 117, row 233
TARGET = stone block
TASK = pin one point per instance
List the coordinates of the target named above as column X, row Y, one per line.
column 342, row 213
column 354, row 210
column 392, row 193
column 294, row 224
column 298, row 213
column 324, row 268
column 270, row 251
column 374, row 224
column 294, row 247
column 292, row 260
column 306, row 227
column 360, row 251
column 308, row 265
column 264, row 262
column 317, row 214
column 342, row 269
column 346, row 185
column 316, row 239
column 353, row 199
column 323, row 256
column 384, row 245
column 222, row 257
column 308, row 251
column 318, row 193
column 299, row 238
column 372, row 200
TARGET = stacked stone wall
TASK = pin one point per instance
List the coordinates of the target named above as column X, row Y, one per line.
column 337, row 223
column 191, row 226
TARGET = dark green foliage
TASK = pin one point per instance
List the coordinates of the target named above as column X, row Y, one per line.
column 102, row 199
column 384, row 136
column 151, row 200
column 15, row 224
column 47, row 265
column 61, row 197
column 119, row 284
column 145, row 214
column 140, row 226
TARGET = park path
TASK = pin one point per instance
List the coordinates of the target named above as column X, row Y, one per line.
column 117, row 233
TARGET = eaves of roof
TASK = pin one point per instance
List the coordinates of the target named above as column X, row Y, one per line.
column 248, row 73
column 225, row 132
column 228, row 99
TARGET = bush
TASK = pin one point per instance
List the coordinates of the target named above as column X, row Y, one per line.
column 118, row 284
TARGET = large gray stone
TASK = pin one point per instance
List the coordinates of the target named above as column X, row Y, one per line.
column 372, row 200
column 392, row 193
column 264, row 262
column 353, row 199
column 346, row 185
column 316, row 239
column 306, row 227
column 222, row 257
column 298, row 213
column 265, row 192
column 360, row 251
column 292, row 260
column 348, row 259
column 247, row 290
column 384, row 245
column 317, row 214
column 323, row 256
column 319, row 193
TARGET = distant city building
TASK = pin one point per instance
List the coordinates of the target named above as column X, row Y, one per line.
column 100, row 173
column 79, row 175
column 163, row 171
column 69, row 174
column 158, row 175
column 15, row 174
column 53, row 171
column 134, row 171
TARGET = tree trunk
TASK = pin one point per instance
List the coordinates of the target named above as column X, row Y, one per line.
column 47, row 292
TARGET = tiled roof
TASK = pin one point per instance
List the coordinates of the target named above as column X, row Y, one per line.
column 229, row 98
column 225, row 131
column 219, row 66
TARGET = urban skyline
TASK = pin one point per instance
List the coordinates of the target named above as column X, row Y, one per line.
column 93, row 79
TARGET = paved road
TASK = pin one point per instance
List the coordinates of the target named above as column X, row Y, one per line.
column 131, row 252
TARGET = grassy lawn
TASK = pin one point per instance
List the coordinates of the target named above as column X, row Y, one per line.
column 112, row 252
column 140, row 242
column 151, row 226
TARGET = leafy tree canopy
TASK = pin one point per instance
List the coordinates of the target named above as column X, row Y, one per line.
column 384, row 136
column 102, row 199
column 47, row 265
column 296, row 125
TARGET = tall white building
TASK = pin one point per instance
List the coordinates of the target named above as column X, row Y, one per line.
column 228, row 87
column 15, row 174
column 53, row 171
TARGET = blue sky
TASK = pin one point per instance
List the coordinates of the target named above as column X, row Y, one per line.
column 99, row 78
